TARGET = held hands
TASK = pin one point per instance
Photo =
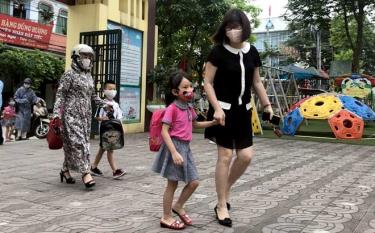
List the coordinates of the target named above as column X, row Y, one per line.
column 219, row 116
column 177, row 159
column 214, row 122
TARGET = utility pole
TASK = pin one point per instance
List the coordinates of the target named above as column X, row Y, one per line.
column 318, row 55
column 318, row 51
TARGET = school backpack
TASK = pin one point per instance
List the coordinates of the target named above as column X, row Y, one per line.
column 155, row 139
column 111, row 134
column 9, row 113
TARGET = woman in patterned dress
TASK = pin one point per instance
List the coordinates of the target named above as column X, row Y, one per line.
column 73, row 106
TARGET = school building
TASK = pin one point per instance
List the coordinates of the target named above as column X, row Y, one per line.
column 122, row 34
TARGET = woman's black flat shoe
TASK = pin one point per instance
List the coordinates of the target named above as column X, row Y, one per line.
column 69, row 180
column 225, row 222
column 228, row 206
column 88, row 184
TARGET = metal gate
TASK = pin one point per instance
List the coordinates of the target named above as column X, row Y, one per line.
column 107, row 61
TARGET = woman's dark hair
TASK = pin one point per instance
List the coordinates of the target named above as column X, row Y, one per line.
column 232, row 17
column 174, row 82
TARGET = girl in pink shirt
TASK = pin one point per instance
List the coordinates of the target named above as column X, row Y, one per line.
column 174, row 160
column 9, row 115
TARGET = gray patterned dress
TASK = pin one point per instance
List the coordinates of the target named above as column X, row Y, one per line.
column 73, row 105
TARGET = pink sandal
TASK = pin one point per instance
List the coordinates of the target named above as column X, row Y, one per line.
column 184, row 217
column 176, row 225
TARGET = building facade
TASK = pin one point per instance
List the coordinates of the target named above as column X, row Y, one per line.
column 272, row 38
column 34, row 24
column 273, row 29
column 126, row 60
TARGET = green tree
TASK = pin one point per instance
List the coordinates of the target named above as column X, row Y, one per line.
column 319, row 14
column 185, row 27
column 304, row 40
column 342, row 46
column 39, row 66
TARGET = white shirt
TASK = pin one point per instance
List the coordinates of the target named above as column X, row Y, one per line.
column 117, row 112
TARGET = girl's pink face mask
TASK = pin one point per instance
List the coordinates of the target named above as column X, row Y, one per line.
column 186, row 95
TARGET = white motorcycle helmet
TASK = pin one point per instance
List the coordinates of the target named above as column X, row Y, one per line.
column 83, row 55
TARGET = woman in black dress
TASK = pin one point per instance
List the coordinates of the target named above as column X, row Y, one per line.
column 232, row 69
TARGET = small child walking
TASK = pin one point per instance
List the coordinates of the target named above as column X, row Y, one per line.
column 112, row 111
column 9, row 116
column 174, row 160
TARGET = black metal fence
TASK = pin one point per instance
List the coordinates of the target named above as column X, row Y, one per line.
column 107, row 61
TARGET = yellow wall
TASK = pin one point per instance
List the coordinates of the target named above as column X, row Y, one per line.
column 93, row 15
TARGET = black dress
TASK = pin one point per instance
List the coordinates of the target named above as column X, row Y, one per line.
column 232, row 84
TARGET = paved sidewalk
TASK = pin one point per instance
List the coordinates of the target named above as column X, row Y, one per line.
column 291, row 186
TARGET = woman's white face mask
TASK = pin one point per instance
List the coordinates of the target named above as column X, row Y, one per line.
column 234, row 35
column 86, row 63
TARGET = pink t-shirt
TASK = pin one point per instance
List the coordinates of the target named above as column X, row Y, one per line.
column 9, row 112
column 182, row 125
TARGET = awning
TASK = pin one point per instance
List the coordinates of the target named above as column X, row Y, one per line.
column 301, row 74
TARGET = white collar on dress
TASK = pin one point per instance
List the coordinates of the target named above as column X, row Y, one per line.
column 244, row 49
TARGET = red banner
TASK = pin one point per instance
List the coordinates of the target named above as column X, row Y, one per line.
column 23, row 32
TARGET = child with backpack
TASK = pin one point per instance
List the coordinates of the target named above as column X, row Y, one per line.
column 9, row 118
column 110, row 120
column 174, row 160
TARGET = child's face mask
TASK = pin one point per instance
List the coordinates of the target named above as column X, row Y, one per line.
column 186, row 95
column 110, row 94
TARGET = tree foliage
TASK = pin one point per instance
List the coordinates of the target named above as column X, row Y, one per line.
column 304, row 41
column 320, row 13
column 185, row 28
column 342, row 47
column 39, row 66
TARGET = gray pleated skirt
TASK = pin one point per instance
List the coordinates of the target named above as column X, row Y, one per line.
column 164, row 165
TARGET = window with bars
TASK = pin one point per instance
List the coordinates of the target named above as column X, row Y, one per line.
column 5, row 7
column 61, row 25
column 19, row 9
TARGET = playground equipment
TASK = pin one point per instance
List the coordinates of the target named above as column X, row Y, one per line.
column 255, row 122
column 345, row 115
column 320, row 107
column 356, row 87
column 281, row 88
column 292, row 122
column 346, row 125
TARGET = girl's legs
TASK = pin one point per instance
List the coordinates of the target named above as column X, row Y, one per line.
column 167, row 201
column 240, row 163
column 221, row 180
column 187, row 191
column 111, row 161
column 98, row 157
column 7, row 132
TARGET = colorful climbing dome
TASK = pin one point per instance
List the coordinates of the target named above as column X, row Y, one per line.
column 292, row 121
column 320, row 107
column 298, row 104
column 346, row 125
column 360, row 109
column 345, row 114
